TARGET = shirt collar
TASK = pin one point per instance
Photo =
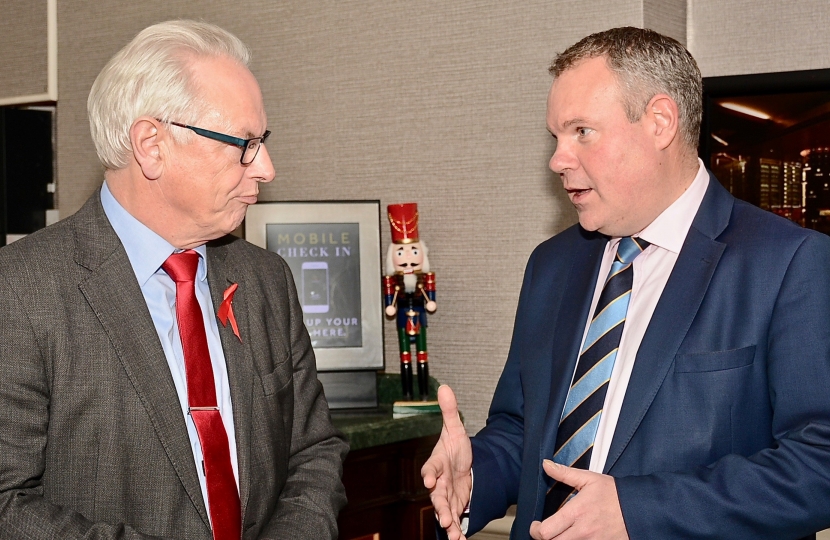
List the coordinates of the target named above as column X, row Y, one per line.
column 670, row 228
column 146, row 250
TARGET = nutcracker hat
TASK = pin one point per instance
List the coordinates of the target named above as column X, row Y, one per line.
column 403, row 219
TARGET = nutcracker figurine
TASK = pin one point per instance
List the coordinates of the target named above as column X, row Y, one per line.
column 409, row 292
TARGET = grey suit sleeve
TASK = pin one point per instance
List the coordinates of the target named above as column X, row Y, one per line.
column 313, row 493
column 25, row 383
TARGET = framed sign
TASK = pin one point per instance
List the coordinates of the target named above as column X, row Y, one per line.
column 333, row 250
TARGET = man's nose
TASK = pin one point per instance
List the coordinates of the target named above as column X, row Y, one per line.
column 263, row 169
column 562, row 159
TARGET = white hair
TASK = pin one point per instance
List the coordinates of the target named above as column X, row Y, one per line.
column 151, row 76
column 390, row 266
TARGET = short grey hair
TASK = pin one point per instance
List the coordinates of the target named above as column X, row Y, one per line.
column 151, row 76
column 645, row 63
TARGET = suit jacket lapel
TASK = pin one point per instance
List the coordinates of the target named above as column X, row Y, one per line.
column 115, row 296
column 675, row 311
column 222, row 273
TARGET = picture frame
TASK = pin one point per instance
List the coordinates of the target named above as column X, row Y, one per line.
column 333, row 250
column 766, row 137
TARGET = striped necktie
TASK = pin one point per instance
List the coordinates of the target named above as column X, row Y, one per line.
column 583, row 408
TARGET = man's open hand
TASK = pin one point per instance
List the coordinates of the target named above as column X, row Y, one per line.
column 447, row 473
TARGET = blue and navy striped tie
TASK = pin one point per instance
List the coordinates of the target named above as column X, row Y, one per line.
column 583, row 408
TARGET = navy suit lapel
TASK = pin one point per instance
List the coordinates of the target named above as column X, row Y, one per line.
column 569, row 327
column 675, row 311
column 114, row 295
column 222, row 273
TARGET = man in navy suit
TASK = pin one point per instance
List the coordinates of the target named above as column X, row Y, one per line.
column 714, row 419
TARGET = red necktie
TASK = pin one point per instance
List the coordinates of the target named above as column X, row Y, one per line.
column 225, row 512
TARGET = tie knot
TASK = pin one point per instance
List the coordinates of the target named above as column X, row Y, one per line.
column 629, row 248
column 182, row 266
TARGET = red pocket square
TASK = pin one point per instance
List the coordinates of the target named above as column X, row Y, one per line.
column 226, row 310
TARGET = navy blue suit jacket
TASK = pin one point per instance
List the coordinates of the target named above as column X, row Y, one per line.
column 725, row 427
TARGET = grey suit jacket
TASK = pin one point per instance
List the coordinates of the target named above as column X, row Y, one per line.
column 93, row 443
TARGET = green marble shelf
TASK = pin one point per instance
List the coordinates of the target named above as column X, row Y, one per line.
column 365, row 428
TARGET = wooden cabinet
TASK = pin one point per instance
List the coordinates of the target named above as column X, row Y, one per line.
column 387, row 498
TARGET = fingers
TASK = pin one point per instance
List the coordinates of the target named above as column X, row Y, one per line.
column 448, row 521
column 441, row 505
column 438, row 478
column 443, row 502
column 454, row 532
column 594, row 510
column 432, row 469
column 535, row 532
column 552, row 527
column 560, row 521
column 576, row 478
column 449, row 408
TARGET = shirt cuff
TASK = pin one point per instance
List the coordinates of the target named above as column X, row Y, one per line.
column 465, row 515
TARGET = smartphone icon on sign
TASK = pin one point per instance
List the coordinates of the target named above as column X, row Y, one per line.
column 315, row 285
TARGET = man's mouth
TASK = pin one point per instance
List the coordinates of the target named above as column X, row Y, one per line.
column 248, row 199
column 576, row 194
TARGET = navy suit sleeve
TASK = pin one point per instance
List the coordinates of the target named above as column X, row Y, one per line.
column 781, row 491
column 497, row 449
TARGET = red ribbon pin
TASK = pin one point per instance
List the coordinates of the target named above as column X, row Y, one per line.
column 226, row 310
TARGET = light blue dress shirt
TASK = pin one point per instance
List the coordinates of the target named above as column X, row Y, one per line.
column 147, row 251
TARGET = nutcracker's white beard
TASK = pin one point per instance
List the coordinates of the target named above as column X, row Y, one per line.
column 410, row 282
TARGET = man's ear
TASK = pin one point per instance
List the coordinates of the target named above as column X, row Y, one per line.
column 662, row 110
column 147, row 141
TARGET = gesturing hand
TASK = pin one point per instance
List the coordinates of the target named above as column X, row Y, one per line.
column 447, row 471
column 593, row 513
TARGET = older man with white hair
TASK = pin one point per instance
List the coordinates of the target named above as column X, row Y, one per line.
column 156, row 378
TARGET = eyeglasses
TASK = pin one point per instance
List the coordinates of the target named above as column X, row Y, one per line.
column 250, row 147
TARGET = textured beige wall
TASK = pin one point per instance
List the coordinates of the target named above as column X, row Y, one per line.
column 736, row 37
column 441, row 103
column 667, row 17
column 23, row 50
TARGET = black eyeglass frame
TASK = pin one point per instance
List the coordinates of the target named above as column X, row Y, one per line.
column 230, row 139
